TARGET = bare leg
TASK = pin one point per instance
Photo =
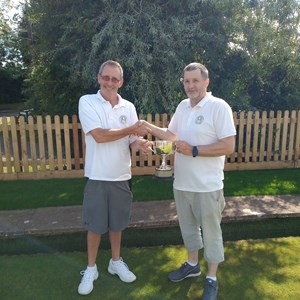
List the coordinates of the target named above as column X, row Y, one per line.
column 115, row 244
column 93, row 242
column 193, row 257
column 212, row 269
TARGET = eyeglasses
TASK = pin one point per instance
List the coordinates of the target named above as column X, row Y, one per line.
column 186, row 81
column 108, row 78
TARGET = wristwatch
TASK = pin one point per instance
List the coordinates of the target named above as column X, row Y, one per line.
column 195, row 151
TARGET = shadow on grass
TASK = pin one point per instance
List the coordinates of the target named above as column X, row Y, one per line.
column 254, row 269
column 264, row 228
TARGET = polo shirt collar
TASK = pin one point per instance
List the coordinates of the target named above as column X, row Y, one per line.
column 121, row 101
column 202, row 102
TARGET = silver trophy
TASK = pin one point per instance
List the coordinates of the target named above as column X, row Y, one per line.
column 163, row 148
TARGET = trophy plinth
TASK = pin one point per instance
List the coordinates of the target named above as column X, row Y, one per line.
column 163, row 148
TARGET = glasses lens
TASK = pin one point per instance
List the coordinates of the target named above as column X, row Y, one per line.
column 114, row 80
column 107, row 78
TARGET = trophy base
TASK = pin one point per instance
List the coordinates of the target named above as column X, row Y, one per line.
column 163, row 173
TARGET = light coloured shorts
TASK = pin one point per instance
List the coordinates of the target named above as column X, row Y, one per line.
column 199, row 216
column 106, row 206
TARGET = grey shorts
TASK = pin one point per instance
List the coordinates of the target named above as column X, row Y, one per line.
column 106, row 206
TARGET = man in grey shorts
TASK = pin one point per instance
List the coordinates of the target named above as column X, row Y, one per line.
column 111, row 129
column 204, row 132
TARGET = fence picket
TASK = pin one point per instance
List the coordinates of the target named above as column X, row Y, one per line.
column 277, row 136
column 240, row 135
column 231, row 157
column 262, row 136
column 291, row 135
column 6, row 145
column 270, row 136
column 41, row 142
column 50, row 148
column 67, row 144
column 297, row 141
column 284, row 135
column 23, row 133
column 32, row 142
column 248, row 136
column 255, row 135
column 15, row 144
column 75, row 142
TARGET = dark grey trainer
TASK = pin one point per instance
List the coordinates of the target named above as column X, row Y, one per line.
column 210, row 290
column 184, row 271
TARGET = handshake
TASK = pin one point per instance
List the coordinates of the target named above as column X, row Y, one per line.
column 141, row 128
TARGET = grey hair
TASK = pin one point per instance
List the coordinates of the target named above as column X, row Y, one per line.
column 111, row 63
column 197, row 66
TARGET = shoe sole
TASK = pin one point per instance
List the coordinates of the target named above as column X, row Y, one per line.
column 190, row 275
column 110, row 271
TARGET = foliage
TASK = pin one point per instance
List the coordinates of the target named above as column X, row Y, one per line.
column 266, row 35
column 11, row 68
column 251, row 48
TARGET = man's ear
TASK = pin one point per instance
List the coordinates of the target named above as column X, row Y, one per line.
column 207, row 82
column 98, row 79
column 121, row 83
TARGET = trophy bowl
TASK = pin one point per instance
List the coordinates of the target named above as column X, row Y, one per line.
column 163, row 148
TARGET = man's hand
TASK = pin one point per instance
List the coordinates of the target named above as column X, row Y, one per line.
column 140, row 128
column 183, row 147
column 141, row 145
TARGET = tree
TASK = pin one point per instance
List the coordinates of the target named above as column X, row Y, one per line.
column 66, row 41
column 11, row 68
column 251, row 48
column 266, row 34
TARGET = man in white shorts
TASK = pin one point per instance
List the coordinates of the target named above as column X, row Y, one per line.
column 111, row 129
column 203, row 131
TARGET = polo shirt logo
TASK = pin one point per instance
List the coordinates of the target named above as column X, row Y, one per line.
column 123, row 119
column 199, row 119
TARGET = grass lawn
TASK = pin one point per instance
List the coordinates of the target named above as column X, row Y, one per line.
column 24, row 194
column 254, row 269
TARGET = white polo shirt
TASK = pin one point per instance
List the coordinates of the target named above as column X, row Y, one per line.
column 210, row 120
column 108, row 161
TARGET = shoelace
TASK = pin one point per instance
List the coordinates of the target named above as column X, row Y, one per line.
column 184, row 265
column 87, row 275
column 123, row 266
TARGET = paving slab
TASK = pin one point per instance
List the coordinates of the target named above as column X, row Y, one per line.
column 145, row 214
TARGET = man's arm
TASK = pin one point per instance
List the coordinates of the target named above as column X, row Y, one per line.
column 161, row 133
column 223, row 146
column 108, row 135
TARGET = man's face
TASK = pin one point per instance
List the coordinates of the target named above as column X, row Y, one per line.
column 110, row 79
column 194, row 85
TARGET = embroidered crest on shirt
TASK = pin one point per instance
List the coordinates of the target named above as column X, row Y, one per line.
column 199, row 119
column 123, row 119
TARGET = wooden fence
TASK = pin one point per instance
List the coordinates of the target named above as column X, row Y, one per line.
column 53, row 147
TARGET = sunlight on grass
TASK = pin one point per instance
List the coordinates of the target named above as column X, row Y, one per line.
column 262, row 182
column 63, row 196
column 253, row 269
column 269, row 268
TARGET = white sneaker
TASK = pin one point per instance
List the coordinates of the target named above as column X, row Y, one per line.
column 122, row 270
column 86, row 284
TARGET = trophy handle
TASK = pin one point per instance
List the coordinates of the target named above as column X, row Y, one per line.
column 152, row 148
